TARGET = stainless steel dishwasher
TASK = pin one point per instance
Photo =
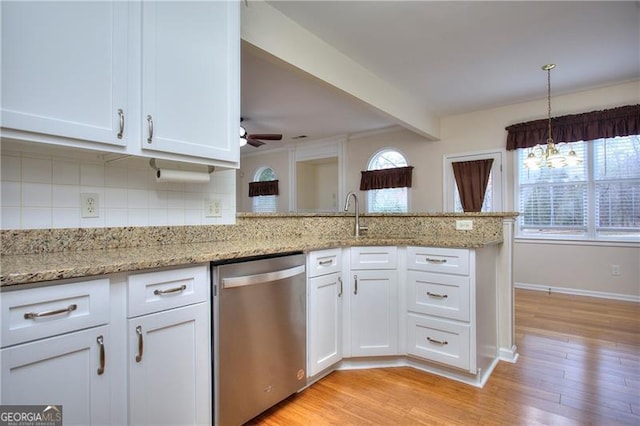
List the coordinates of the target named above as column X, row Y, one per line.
column 260, row 335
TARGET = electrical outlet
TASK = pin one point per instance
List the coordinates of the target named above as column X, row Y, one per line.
column 212, row 208
column 615, row 270
column 464, row 225
column 89, row 205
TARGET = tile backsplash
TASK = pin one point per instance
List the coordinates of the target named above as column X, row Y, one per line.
column 43, row 191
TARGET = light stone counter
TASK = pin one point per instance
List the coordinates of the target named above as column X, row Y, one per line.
column 45, row 255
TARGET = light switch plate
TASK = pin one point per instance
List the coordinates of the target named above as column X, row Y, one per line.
column 464, row 224
column 213, row 208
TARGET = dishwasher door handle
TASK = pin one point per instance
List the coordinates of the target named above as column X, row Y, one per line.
column 262, row 278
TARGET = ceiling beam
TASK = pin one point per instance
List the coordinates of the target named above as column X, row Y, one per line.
column 270, row 30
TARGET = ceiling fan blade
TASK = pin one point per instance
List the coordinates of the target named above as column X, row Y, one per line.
column 266, row 136
column 254, row 142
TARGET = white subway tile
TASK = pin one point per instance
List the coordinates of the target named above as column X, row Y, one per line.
column 35, row 218
column 11, row 168
column 10, row 218
column 137, row 199
column 36, row 170
column 36, row 194
column 63, row 217
column 92, row 174
column 10, row 194
column 66, row 172
column 116, row 217
column 66, row 196
column 115, row 198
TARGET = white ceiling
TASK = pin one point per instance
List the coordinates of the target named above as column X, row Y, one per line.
column 455, row 56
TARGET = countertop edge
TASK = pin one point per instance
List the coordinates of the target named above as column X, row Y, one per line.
column 63, row 266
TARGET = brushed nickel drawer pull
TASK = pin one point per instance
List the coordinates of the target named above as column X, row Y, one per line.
column 437, row 342
column 34, row 315
column 355, row 287
column 140, row 343
column 100, row 341
column 325, row 262
column 439, row 261
column 437, row 296
column 159, row 292
column 150, row 125
column 340, row 281
column 120, row 123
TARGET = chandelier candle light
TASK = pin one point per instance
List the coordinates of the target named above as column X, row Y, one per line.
column 549, row 155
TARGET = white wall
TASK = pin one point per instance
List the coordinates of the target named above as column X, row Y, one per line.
column 41, row 188
column 587, row 269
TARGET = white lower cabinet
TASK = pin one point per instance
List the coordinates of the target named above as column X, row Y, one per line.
column 168, row 365
column 128, row 346
column 56, row 350
column 451, row 307
column 64, row 370
column 373, row 301
column 374, row 313
column 325, row 294
column 432, row 307
column 169, row 353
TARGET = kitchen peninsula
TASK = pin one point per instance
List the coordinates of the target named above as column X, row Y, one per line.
column 126, row 258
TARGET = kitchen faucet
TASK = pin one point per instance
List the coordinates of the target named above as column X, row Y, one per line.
column 356, row 227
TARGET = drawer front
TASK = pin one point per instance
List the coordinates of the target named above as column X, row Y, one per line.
column 441, row 260
column 443, row 295
column 374, row 257
column 439, row 340
column 161, row 290
column 324, row 262
column 36, row 313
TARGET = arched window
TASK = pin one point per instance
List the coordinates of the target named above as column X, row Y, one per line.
column 264, row 203
column 393, row 200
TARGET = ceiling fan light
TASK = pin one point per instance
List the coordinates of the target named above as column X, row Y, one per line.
column 243, row 141
column 243, row 132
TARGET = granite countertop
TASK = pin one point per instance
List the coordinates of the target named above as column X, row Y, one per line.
column 32, row 268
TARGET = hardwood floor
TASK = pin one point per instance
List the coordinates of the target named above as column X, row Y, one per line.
column 579, row 365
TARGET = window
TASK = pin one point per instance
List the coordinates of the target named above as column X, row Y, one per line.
column 596, row 200
column 264, row 203
column 493, row 195
column 388, row 200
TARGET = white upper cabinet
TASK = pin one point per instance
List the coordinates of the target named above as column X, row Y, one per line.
column 190, row 78
column 64, row 69
column 155, row 79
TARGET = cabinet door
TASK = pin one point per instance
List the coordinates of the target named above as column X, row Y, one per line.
column 64, row 68
column 169, row 365
column 62, row 370
column 190, row 78
column 325, row 322
column 374, row 312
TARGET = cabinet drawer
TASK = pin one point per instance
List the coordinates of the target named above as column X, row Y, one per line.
column 157, row 291
column 324, row 262
column 443, row 295
column 374, row 257
column 435, row 259
column 439, row 340
column 35, row 313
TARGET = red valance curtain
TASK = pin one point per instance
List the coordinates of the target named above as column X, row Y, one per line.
column 398, row 177
column 608, row 123
column 472, row 178
column 269, row 187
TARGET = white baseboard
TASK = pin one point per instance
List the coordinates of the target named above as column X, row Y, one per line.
column 509, row 355
column 578, row 292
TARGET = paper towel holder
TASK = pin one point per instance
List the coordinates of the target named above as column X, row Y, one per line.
column 153, row 165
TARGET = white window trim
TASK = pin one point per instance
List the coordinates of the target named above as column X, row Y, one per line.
column 375, row 154
column 589, row 239
column 498, row 171
column 256, row 176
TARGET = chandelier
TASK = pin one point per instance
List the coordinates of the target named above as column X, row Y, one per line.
column 549, row 155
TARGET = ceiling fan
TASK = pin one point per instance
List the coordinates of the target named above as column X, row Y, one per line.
column 256, row 139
